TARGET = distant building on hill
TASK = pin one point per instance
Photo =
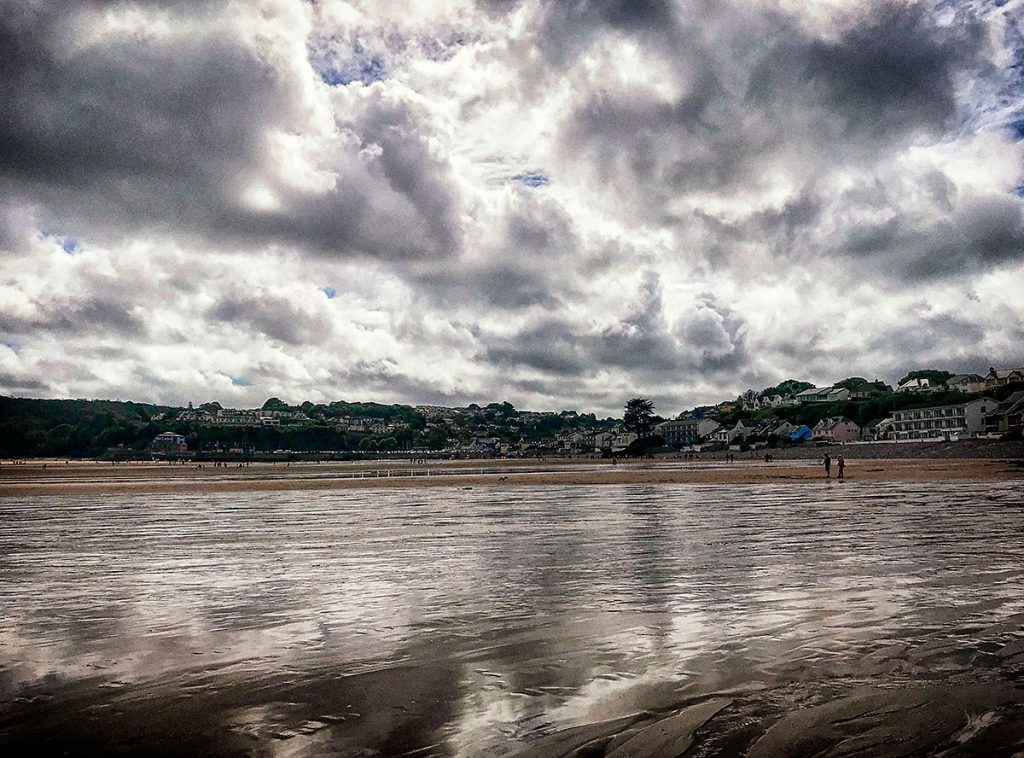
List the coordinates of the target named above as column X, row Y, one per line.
column 917, row 385
column 870, row 389
column 968, row 383
column 997, row 377
column 1009, row 416
column 823, row 395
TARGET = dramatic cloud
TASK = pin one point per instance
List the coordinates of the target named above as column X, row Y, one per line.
column 562, row 204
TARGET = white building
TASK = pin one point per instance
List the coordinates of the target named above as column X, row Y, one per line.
column 945, row 422
column 916, row 385
column 168, row 443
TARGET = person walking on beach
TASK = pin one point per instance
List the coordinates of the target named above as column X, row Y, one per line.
column 828, row 466
column 842, row 466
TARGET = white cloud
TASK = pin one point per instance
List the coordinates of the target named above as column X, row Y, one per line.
column 705, row 201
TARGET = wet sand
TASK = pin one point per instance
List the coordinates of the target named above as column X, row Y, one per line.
column 58, row 477
column 881, row 619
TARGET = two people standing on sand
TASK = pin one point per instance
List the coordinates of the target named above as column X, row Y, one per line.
column 840, row 461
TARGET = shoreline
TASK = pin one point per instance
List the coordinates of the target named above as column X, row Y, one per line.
column 84, row 478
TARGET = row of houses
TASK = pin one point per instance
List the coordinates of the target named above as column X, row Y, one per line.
column 837, row 429
column 752, row 402
column 232, row 417
column 967, row 383
column 945, row 422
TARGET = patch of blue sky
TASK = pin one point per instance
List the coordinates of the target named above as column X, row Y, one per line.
column 532, row 178
column 361, row 67
column 1020, row 190
column 240, row 381
column 330, row 292
column 70, row 245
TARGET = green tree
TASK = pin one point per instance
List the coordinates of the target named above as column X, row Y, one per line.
column 788, row 387
column 638, row 416
column 853, row 384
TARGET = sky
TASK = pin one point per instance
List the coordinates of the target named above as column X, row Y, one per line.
column 558, row 204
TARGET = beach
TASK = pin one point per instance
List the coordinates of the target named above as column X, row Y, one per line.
column 879, row 618
column 83, row 477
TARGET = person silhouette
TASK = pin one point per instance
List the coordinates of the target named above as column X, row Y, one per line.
column 828, row 466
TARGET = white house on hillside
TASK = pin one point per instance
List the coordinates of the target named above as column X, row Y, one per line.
column 823, row 395
column 916, row 385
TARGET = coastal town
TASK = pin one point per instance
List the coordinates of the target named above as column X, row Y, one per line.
column 925, row 406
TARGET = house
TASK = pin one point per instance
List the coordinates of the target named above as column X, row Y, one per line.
column 599, row 440
column 870, row 389
column 871, row 430
column 623, row 439
column 168, row 443
column 802, row 433
column 1009, row 416
column 917, row 385
column 944, row 422
column 483, row 445
column 823, row 395
column 969, row 383
column 999, row 377
column 721, row 434
column 744, row 428
column 765, row 427
column 837, row 429
column 783, row 430
column 686, row 431
column 883, row 429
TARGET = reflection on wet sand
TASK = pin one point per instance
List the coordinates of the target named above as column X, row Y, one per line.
column 870, row 619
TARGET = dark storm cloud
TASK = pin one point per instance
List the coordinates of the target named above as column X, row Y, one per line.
column 980, row 234
column 276, row 317
column 94, row 316
column 778, row 226
column 551, row 345
column 941, row 338
column 641, row 342
column 532, row 263
column 894, row 73
column 744, row 109
column 384, row 379
column 716, row 333
column 708, row 340
column 13, row 383
column 504, row 285
column 143, row 133
column 565, row 27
